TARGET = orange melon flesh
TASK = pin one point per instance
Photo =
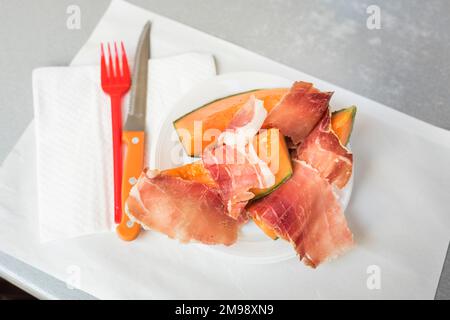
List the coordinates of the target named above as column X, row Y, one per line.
column 342, row 123
column 267, row 230
column 272, row 149
column 216, row 116
column 193, row 171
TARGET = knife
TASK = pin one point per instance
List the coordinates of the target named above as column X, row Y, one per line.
column 134, row 132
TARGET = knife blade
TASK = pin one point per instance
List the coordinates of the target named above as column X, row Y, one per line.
column 134, row 132
column 138, row 92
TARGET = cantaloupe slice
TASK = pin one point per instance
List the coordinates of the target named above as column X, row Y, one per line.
column 342, row 123
column 270, row 147
column 201, row 127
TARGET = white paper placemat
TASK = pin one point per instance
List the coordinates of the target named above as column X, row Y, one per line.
column 398, row 211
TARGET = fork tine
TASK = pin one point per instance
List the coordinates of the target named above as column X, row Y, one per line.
column 112, row 73
column 119, row 72
column 103, row 72
column 125, row 68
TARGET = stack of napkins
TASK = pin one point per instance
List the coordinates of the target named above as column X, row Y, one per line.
column 74, row 142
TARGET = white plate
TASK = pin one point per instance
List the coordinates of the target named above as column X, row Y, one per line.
column 253, row 245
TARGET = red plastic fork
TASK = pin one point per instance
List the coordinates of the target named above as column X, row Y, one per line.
column 116, row 82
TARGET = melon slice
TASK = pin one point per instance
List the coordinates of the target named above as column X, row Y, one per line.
column 270, row 147
column 342, row 123
column 202, row 126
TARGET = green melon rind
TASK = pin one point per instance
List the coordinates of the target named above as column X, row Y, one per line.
column 214, row 101
column 286, row 178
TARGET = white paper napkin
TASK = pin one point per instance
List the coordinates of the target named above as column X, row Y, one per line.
column 73, row 136
column 398, row 210
column 74, row 153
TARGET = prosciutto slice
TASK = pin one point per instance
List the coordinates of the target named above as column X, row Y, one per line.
column 299, row 111
column 182, row 209
column 324, row 152
column 234, row 175
column 305, row 211
column 234, row 164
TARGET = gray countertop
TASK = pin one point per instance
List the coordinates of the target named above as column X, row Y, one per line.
column 403, row 64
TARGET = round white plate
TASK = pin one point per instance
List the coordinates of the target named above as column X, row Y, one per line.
column 253, row 245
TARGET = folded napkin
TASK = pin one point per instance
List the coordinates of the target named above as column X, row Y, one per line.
column 73, row 136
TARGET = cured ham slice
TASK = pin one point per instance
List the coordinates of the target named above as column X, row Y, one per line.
column 234, row 177
column 324, row 152
column 299, row 111
column 182, row 209
column 305, row 211
column 234, row 164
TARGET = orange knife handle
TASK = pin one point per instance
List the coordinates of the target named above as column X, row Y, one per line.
column 132, row 168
